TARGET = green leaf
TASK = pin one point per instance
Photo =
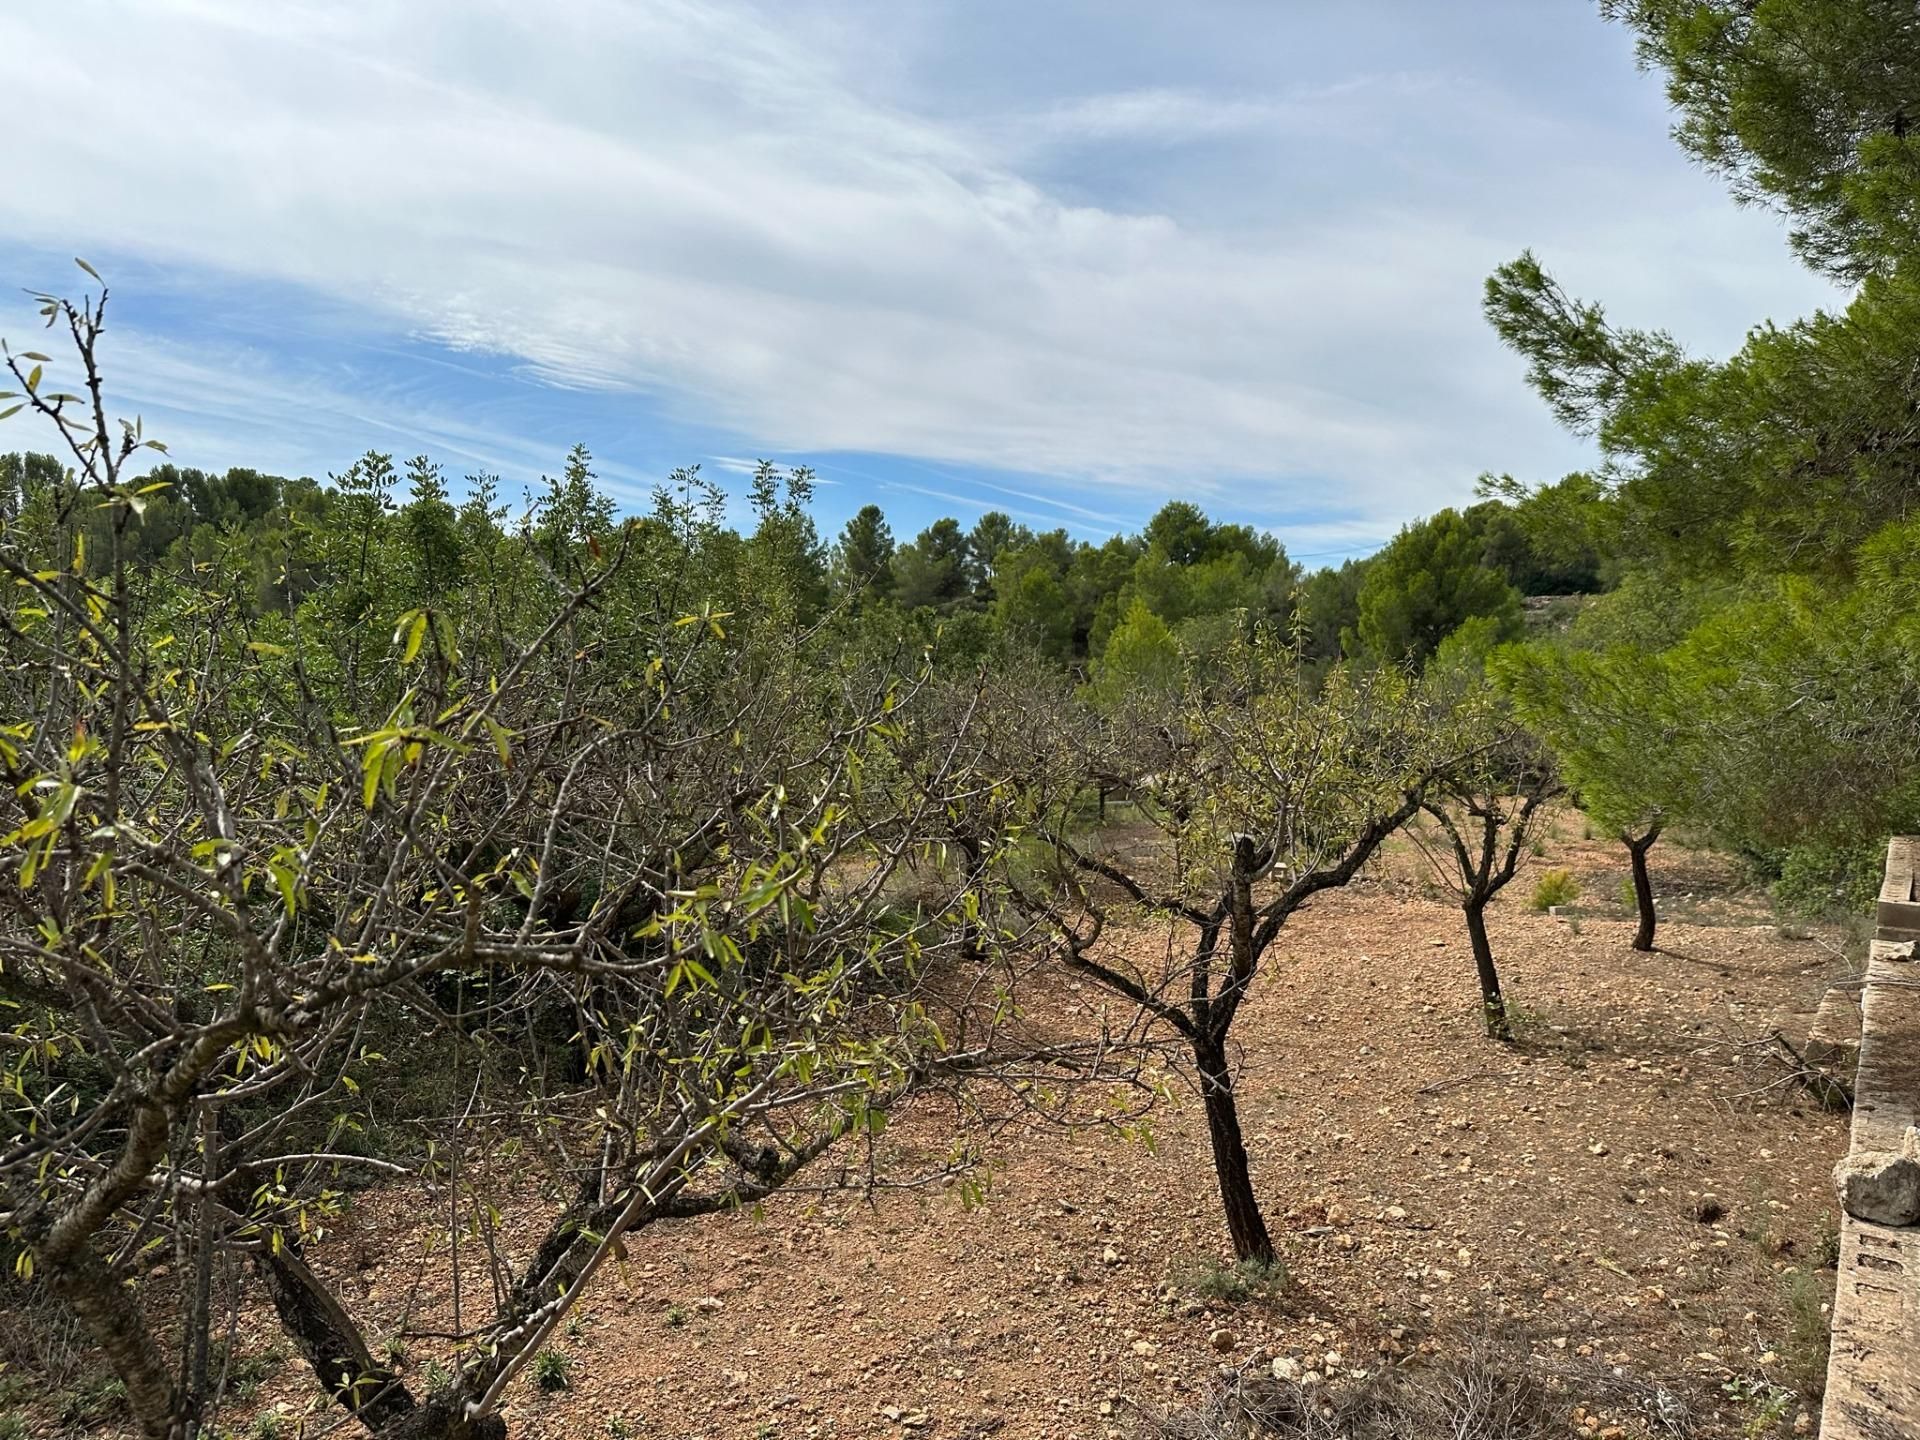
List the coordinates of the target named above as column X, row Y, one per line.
column 501, row 738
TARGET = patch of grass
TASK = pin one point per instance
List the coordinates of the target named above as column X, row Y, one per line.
column 1826, row 1244
column 93, row 1400
column 1554, row 887
column 40, row 1338
column 246, row 1373
column 1809, row 1338
column 1768, row 1401
column 13, row 1426
column 676, row 1317
column 552, row 1370
column 1234, row 1284
column 1523, row 1021
column 266, row 1425
column 618, row 1428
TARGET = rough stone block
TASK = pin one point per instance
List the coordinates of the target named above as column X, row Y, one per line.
column 1882, row 1186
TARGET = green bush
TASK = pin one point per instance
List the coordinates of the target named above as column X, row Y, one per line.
column 1235, row 1283
column 1555, row 887
column 552, row 1370
column 1820, row 880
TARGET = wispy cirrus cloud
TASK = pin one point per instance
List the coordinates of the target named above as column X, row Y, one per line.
column 1239, row 260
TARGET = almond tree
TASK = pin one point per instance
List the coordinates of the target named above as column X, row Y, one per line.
column 634, row 870
column 1265, row 793
column 1486, row 806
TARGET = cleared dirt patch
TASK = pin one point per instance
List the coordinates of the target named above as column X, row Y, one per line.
column 1627, row 1187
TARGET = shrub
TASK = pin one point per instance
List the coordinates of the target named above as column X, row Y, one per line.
column 552, row 1370
column 1496, row 1390
column 1555, row 887
column 1234, row 1283
column 1821, row 880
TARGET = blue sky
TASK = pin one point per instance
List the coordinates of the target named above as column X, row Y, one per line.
column 1064, row 259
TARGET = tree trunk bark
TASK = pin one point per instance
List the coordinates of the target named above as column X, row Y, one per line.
column 372, row 1394
column 1493, row 1005
column 83, row 1280
column 331, row 1343
column 200, row 1317
column 1643, row 888
column 1245, row 1224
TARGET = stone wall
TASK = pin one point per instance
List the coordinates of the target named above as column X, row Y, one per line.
column 1873, row 1379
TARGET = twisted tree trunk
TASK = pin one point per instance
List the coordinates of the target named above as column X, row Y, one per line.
column 1642, row 886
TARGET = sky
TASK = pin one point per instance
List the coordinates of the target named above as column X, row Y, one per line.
column 1065, row 259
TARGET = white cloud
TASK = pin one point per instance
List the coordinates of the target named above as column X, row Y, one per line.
column 1158, row 114
column 219, row 403
column 682, row 197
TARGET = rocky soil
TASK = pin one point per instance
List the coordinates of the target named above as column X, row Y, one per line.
column 1636, row 1186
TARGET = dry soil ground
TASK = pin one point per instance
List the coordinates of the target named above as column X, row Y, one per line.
column 1627, row 1184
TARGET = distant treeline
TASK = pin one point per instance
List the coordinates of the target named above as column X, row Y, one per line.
column 1182, row 586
